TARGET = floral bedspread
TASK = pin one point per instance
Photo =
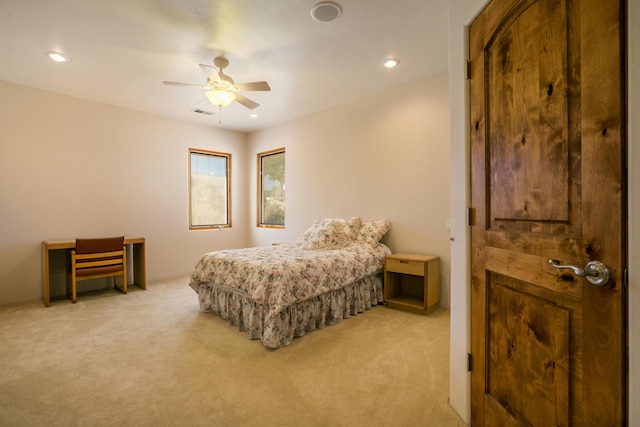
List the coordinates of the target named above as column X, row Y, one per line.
column 282, row 275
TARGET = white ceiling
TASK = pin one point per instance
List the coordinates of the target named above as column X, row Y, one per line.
column 122, row 50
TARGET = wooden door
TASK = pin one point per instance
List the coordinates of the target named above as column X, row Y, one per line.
column 548, row 183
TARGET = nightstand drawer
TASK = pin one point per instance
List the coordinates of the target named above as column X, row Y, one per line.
column 405, row 266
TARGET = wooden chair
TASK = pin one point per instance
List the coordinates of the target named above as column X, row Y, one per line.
column 96, row 258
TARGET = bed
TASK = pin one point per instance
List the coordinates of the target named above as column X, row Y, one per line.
column 283, row 291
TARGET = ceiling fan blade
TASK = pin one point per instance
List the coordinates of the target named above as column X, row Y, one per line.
column 184, row 84
column 211, row 72
column 254, row 86
column 246, row 102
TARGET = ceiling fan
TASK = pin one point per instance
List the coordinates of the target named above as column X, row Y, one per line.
column 221, row 90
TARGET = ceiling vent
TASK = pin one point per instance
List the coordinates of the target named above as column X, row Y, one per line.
column 326, row 11
column 199, row 111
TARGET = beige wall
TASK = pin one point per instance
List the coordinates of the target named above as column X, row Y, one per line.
column 385, row 156
column 72, row 168
column 460, row 14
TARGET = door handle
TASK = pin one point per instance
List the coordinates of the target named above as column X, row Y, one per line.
column 595, row 272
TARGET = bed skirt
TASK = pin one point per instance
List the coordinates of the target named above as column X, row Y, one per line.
column 296, row 320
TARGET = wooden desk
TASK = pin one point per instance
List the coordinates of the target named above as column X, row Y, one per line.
column 139, row 261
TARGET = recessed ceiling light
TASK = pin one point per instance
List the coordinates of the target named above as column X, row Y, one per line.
column 253, row 114
column 391, row 62
column 57, row 56
column 326, row 11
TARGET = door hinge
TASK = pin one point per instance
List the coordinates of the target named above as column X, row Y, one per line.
column 469, row 362
column 625, row 279
column 468, row 70
column 471, row 216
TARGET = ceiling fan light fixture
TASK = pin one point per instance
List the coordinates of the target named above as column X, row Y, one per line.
column 221, row 98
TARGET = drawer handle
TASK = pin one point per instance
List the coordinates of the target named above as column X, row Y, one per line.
column 404, row 261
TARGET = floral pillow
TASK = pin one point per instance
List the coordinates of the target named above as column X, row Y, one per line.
column 331, row 233
column 350, row 226
column 372, row 231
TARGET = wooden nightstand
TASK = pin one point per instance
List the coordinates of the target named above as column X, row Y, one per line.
column 412, row 282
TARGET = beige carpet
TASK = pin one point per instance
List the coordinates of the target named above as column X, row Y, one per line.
column 152, row 358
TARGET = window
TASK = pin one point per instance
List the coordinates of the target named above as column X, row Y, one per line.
column 271, row 188
column 209, row 189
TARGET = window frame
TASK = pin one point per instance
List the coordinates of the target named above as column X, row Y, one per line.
column 227, row 157
column 260, row 187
